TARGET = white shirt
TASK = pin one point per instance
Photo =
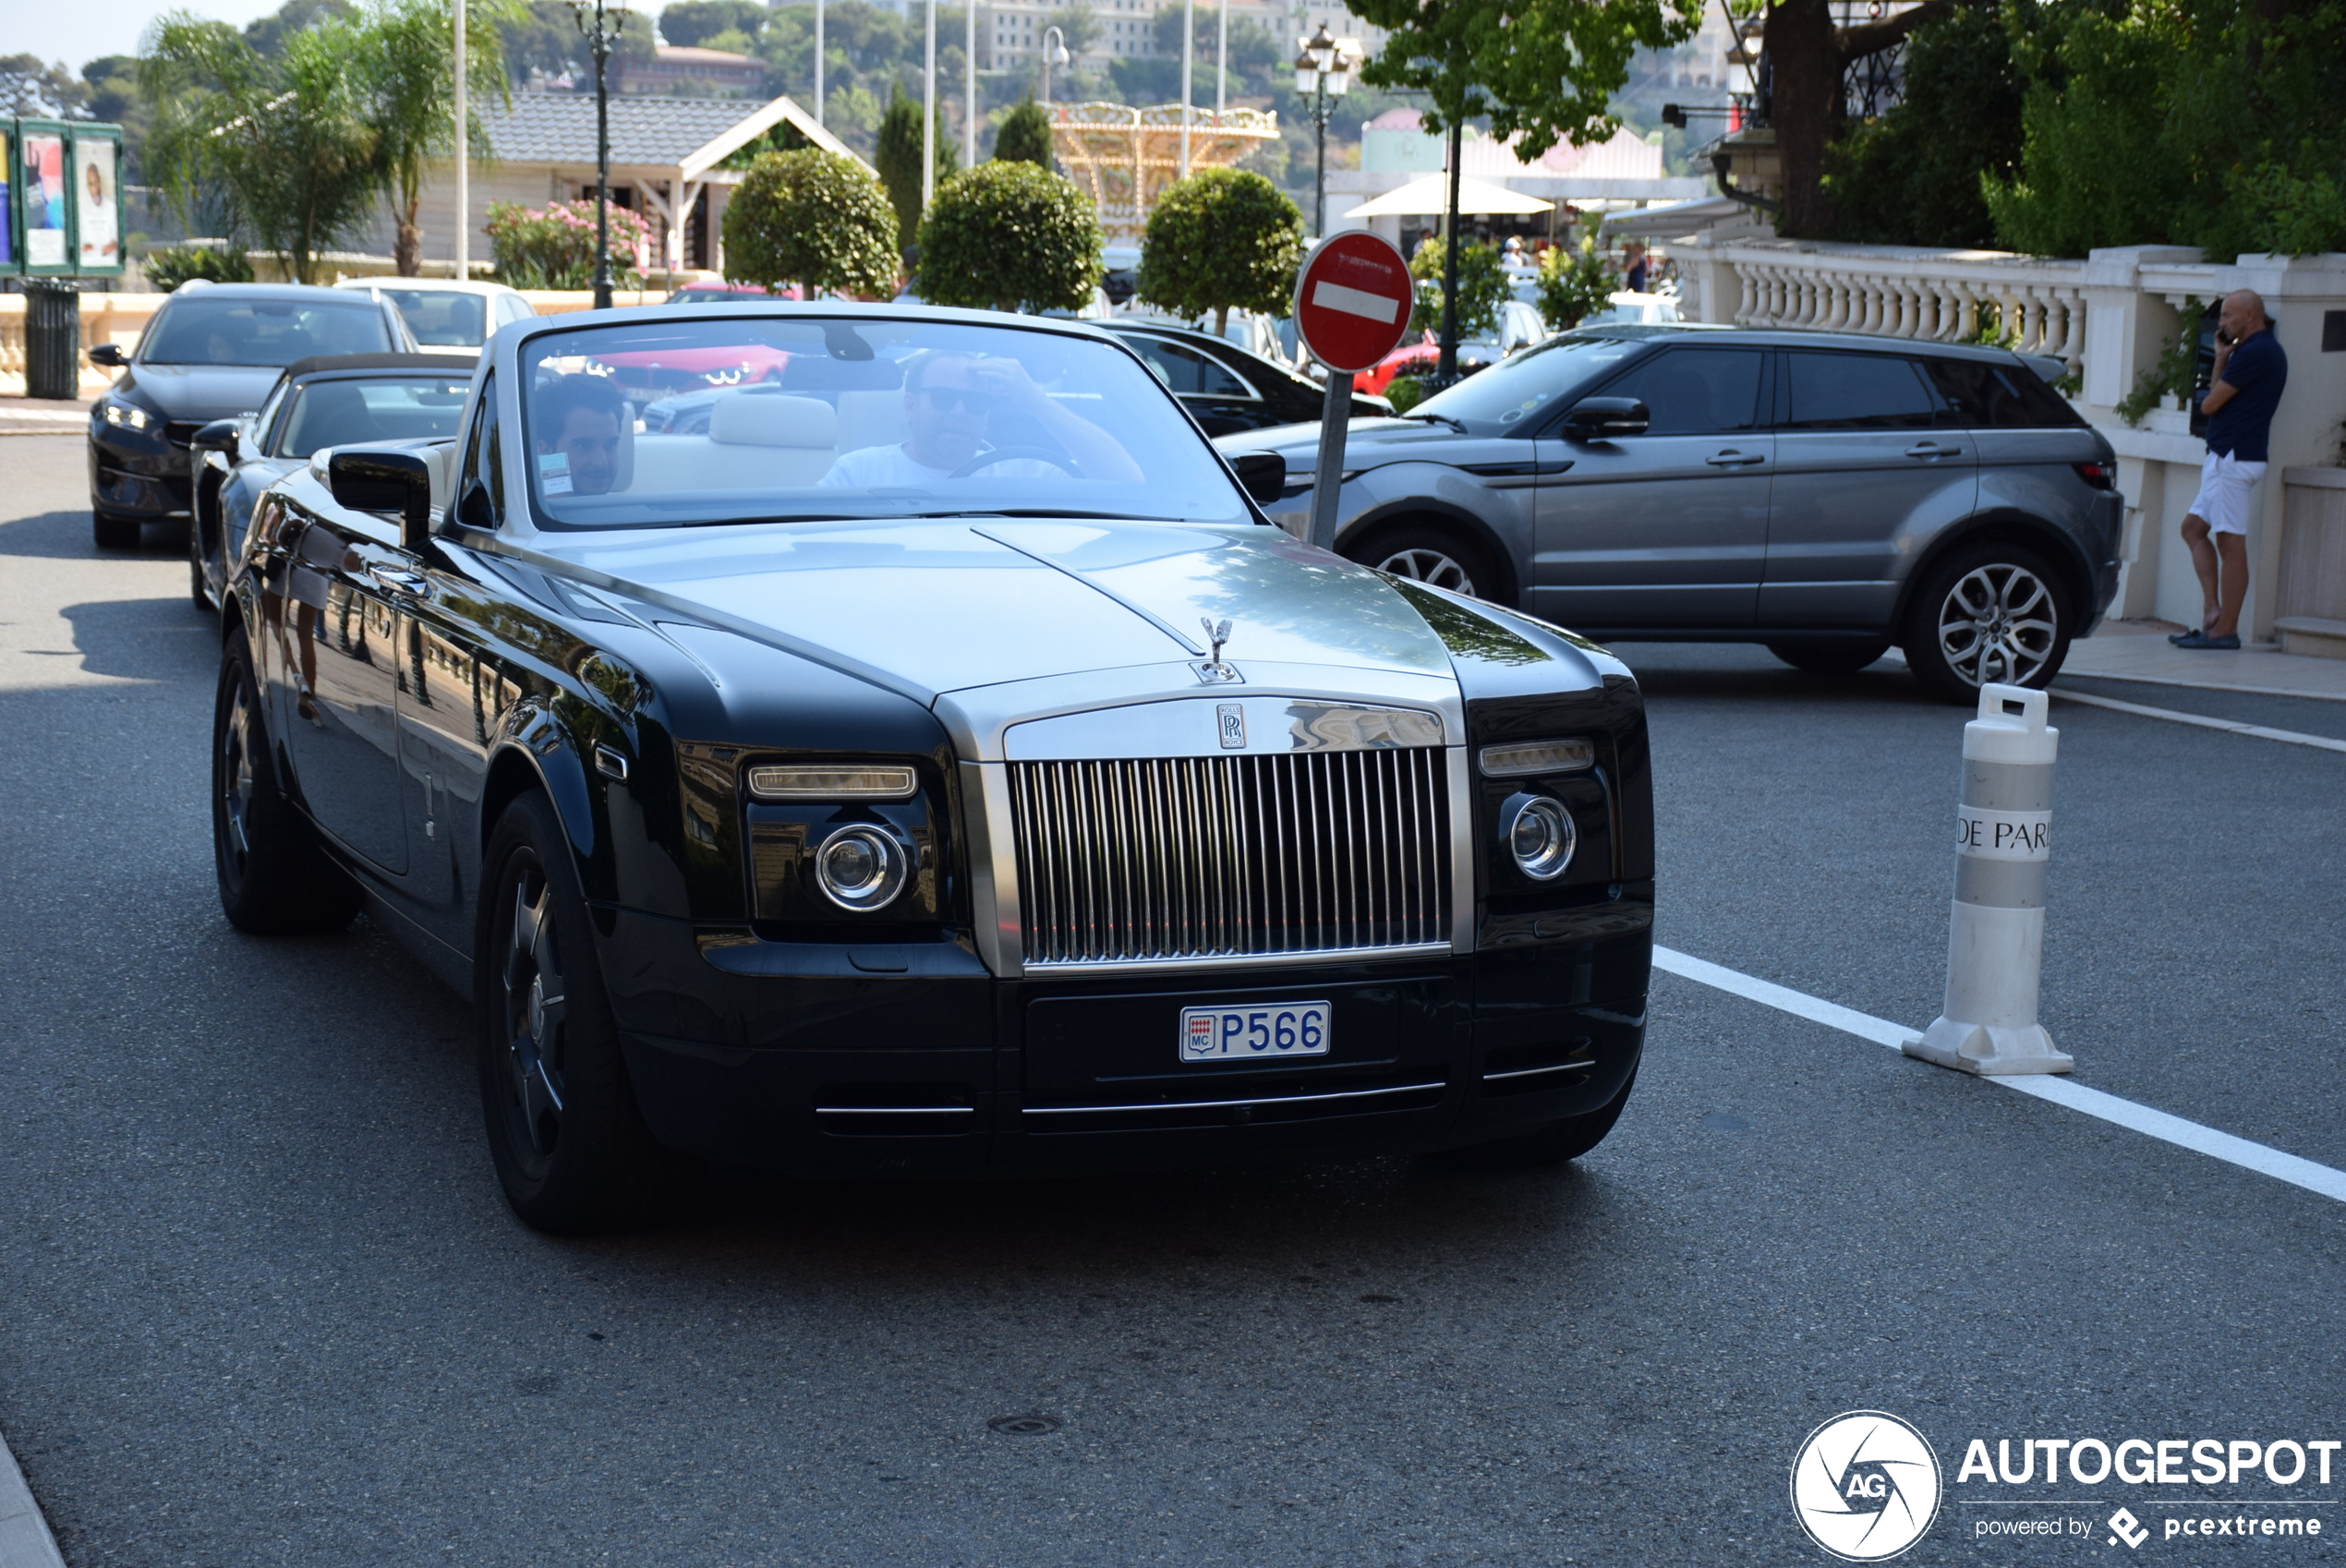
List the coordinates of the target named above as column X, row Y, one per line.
column 882, row 466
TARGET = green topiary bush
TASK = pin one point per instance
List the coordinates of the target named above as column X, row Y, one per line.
column 812, row 218
column 1025, row 136
column 1221, row 239
column 1011, row 236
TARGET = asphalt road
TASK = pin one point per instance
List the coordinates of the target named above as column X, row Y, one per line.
column 261, row 1302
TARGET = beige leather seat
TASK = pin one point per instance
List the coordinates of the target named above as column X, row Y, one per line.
column 756, row 440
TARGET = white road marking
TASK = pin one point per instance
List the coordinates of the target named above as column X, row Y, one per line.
column 2314, row 1178
column 1355, row 301
column 2232, row 726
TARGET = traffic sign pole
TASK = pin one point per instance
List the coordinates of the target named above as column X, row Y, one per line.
column 1352, row 300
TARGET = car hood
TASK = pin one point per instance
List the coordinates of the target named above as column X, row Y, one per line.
column 199, row 391
column 1367, row 443
column 931, row 607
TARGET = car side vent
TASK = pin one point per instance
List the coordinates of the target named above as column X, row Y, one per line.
column 1530, row 1070
column 896, row 1110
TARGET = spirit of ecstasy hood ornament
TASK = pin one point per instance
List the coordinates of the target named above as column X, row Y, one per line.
column 1211, row 669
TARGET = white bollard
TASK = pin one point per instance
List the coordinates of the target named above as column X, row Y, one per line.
column 1995, row 945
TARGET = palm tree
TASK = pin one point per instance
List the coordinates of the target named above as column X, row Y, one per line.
column 406, row 67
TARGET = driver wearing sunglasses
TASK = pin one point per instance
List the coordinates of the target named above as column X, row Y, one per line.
column 949, row 400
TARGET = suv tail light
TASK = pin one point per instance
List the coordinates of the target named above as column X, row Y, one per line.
column 2097, row 475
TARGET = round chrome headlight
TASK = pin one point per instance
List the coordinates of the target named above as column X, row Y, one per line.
column 1540, row 835
column 861, row 868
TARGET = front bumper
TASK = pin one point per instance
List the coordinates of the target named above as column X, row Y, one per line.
column 139, row 475
column 913, row 1061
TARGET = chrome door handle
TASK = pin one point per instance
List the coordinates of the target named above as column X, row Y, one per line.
column 397, row 581
column 1735, row 459
column 1932, row 448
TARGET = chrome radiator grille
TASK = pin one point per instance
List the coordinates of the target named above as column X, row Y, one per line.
column 1231, row 856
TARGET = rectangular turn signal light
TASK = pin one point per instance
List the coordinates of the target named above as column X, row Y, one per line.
column 830, row 781
column 1526, row 759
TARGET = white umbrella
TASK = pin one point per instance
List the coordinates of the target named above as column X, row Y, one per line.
column 1431, row 194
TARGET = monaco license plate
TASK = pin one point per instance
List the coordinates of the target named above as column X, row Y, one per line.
column 1261, row 1033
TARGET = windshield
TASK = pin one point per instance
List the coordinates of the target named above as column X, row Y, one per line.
column 443, row 318
column 341, row 412
column 264, row 332
column 794, row 418
column 1531, row 384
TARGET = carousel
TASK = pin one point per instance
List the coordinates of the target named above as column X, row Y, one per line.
column 1125, row 157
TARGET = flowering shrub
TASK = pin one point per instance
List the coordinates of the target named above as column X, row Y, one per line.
column 553, row 246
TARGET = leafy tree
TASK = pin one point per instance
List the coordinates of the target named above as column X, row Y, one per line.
column 1013, row 237
column 1912, row 177
column 1025, row 136
column 268, row 34
column 690, row 24
column 1483, row 289
column 1219, row 240
column 2189, row 122
column 812, row 218
column 282, row 140
column 899, row 159
column 1545, row 71
column 400, row 67
column 1574, row 281
column 31, row 86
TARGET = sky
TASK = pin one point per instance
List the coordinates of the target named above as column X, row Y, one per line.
column 76, row 33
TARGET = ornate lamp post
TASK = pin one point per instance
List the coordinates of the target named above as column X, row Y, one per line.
column 1324, row 71
column 1054, row 54
column 602, row 34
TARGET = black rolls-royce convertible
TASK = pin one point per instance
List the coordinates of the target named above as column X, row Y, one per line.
column 937, row 766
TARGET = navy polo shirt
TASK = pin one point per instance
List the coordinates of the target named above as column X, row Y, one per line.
column 2257, row 371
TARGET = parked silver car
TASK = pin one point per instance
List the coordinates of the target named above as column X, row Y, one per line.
column 1826, row 495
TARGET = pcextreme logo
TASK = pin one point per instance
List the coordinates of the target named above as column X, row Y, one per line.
column 1865, row 1486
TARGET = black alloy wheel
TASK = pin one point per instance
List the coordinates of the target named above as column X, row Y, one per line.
column 570, row 1148
column 1432, row 556
column 1989, row 613
column 273, row 878
column 1550, row 1145
column 1830, row 658
column 109, row 530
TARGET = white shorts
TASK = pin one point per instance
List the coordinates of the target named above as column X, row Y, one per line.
column 2225, row 484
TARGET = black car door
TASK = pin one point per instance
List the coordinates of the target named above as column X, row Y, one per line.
column 1217, row 396
column 334, row 672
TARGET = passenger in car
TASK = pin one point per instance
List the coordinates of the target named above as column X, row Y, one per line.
column 574, row 433
column 948, row 399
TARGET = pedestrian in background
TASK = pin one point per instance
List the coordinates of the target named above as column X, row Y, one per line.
column 1636, row 275
column 2251, row 369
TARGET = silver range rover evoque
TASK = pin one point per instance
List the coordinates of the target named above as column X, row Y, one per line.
column 938, row 766
column 1828, row 495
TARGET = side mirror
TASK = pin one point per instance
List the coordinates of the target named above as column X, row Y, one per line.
column 1261, row 475
column 378, row 480
column 1602, row 418
column 220, row 436
column 109, row 355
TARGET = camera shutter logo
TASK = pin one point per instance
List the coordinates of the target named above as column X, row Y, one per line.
column 1865, row 1486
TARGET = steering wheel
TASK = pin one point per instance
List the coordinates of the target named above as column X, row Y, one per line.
column 1012, row 454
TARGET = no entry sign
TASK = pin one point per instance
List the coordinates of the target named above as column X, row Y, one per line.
column 1352, row 301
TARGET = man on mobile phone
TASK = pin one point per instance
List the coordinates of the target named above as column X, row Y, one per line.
column 2251, row 369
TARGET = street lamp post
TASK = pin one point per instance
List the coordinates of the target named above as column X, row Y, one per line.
column 819, row 62
column 601, row 34
column 1324, row 71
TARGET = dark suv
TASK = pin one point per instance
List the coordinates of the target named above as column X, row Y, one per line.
column 1826, row 495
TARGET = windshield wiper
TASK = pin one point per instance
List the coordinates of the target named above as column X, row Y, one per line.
column 776, row 517
column 1443, row 418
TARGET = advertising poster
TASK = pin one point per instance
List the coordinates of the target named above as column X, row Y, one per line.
column 44, row 200
column 8, row 229
column 93, row 188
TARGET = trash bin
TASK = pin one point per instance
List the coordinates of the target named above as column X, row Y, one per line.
column 52, row 339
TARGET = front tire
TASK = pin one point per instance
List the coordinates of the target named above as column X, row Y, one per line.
column 1429, row 555
column 274, row 880
column 572, row 1150
column 1991, row 612
column 1550, row 1145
